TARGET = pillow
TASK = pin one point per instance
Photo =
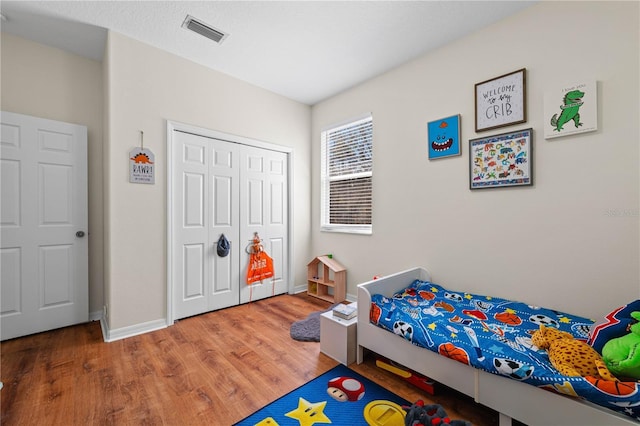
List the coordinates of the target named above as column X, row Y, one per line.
column 615, row 324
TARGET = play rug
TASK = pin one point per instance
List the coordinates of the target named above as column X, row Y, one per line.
column 340, row 397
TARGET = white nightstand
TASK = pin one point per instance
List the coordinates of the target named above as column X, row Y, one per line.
column 338, row 337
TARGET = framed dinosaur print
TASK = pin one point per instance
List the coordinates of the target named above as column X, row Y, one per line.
column 501, row 101
column 571, row 109
column 501, row 160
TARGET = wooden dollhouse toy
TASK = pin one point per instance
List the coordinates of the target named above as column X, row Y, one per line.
column 327, row 279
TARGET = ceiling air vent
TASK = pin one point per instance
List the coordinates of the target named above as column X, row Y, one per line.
column 203, row 29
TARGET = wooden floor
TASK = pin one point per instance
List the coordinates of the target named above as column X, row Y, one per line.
column 212, row 369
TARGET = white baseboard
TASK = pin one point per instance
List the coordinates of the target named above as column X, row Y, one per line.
column 299, row 289
column 130, row 331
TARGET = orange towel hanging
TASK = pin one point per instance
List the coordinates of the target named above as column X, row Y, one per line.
column 260, row 264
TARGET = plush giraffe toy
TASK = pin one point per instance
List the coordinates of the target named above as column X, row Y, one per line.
column 569, row 356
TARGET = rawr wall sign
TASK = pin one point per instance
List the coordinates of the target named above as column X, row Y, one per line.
column 141, row 166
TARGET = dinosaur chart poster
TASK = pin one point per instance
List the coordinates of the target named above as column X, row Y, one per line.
column 571, row 109
column 503, row 160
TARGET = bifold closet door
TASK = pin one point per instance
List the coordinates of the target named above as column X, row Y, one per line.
column 264, row 205
column 222, row 187
column 206, row 182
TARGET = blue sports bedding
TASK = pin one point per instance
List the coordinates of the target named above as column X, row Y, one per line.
column 494, row 335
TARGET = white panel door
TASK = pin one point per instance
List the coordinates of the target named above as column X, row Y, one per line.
column 223, row 187
column 44, row 253
column 264, row 209
column 223, row 213
column 205, row 181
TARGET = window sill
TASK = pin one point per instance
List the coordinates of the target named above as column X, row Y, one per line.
column 348, row 230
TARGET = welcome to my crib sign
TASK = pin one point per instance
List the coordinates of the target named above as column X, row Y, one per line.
column 501, row 101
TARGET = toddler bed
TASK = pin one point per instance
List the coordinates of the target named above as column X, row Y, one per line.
column 481, row 346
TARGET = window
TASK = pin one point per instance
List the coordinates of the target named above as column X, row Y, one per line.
column 346, row 176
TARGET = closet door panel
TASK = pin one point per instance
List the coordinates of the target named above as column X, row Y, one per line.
column 223, row 205
column 222, row 187
column 263, row 210
column 190, row 271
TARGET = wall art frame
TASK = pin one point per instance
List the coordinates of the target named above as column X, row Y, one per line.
column 571, row 109
column 500, row 161
column 142, row 166
column 501, row 101
column 443, row 137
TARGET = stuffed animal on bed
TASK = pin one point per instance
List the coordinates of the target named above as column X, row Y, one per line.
column 569, row 356
column 622, row 355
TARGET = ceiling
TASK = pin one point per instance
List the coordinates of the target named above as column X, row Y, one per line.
column 304, row 50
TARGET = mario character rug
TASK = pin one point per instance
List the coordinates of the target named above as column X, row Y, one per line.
column 338, row 397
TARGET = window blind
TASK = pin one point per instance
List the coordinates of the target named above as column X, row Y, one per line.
column 346, row 174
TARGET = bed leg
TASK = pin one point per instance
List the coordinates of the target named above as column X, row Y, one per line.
column 504, row 420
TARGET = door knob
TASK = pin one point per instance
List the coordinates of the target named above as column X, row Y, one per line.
column 80, row 234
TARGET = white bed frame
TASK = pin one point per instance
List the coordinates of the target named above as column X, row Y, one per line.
column 511, row 398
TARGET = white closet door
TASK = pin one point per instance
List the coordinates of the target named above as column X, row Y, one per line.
column 206, row 189
column 223, row 199
column 44, row 254
column 222, row 187
column 264, row 209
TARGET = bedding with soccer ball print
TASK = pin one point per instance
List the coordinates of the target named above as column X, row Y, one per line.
column 494, row 334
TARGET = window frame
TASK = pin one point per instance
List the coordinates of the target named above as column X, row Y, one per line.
column 325, row 179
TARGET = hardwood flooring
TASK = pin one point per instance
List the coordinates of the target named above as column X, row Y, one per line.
column 212, row 369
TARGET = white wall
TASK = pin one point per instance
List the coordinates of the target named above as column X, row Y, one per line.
column 572, row 240
column 146, row 87
column 50, row 83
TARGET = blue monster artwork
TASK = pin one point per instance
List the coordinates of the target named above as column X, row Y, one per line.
column 444, row 137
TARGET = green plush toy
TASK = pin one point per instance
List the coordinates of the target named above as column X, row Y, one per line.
column 622, row 355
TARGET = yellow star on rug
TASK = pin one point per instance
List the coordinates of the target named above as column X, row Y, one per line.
column 309, row 413
column 269, row 421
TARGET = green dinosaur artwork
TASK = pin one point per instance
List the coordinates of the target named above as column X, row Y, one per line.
column 570, row 110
